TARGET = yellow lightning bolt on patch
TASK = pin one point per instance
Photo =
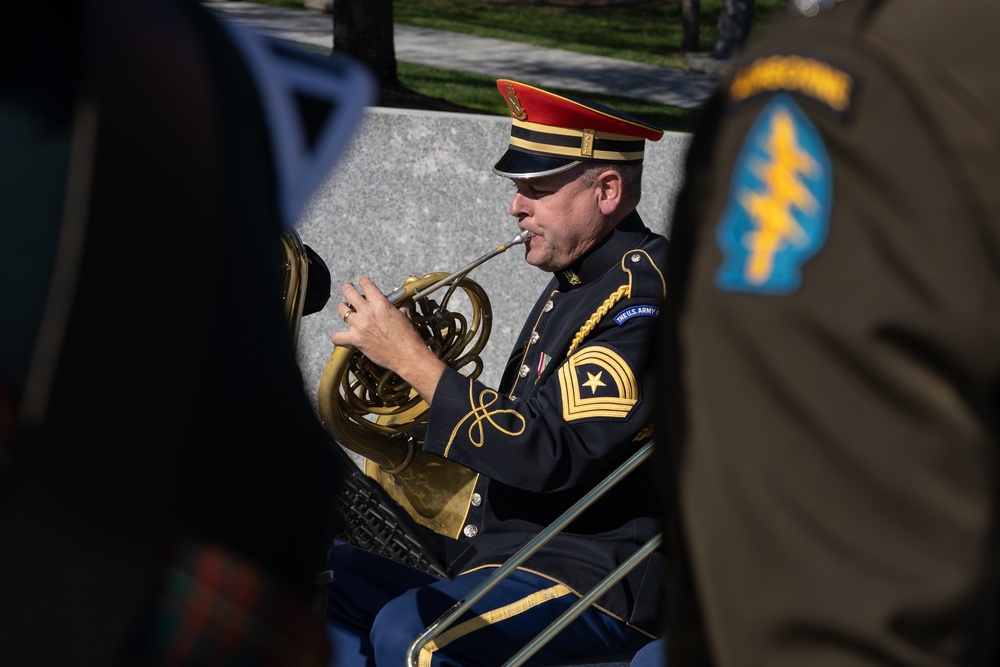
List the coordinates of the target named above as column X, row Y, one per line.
column 771, row 210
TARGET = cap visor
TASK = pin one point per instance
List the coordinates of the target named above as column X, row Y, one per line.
column 515, row 164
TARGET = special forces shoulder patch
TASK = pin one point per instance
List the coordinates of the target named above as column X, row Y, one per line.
column 597, row 382
column 778, row 207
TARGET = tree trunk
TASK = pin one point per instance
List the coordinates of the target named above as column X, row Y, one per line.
column 690, row 18
column 733, row 28
column 362, row 29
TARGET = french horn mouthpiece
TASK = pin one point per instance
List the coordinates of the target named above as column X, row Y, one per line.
column 521, row 237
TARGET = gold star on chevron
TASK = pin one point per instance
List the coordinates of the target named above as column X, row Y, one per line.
column 594, row 381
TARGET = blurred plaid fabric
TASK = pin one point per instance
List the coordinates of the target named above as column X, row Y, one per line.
column 215, row 607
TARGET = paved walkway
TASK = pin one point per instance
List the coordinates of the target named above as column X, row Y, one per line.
column 541, row 66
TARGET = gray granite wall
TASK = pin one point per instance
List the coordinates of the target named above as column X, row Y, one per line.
column 415, row 193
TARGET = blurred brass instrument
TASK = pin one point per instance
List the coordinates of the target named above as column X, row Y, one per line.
column 376, row 414
column 296, row 278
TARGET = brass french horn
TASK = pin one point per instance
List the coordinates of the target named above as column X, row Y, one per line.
column 376, row 414
column 296, row 273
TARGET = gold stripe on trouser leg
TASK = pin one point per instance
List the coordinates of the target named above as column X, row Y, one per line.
column 490, row 617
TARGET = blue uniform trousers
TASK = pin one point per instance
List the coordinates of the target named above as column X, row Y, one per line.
column 653, row 654
column 377, row 607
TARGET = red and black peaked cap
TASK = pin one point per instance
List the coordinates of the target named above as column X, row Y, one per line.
column 551, row 133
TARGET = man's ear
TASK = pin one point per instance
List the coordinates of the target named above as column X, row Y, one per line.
column 610, row 182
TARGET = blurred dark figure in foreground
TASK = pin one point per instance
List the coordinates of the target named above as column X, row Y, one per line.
column 835, row 328
column 165, row 483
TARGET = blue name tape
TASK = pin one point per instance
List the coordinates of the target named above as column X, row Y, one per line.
column 636, row 311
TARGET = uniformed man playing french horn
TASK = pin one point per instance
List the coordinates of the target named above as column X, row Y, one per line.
column 573, row 404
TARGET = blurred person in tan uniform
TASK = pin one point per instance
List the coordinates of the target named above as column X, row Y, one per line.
column 835, row 338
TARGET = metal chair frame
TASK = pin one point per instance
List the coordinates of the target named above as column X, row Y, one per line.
column 474, row 595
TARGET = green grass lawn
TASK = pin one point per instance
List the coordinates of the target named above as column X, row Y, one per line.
column 479, row 93
column 646, row 32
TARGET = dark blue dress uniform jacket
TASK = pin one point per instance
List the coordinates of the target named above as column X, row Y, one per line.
column 573, row 403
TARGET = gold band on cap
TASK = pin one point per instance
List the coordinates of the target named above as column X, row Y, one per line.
column 573, row 143
column 611, row 156
column 569, row 132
